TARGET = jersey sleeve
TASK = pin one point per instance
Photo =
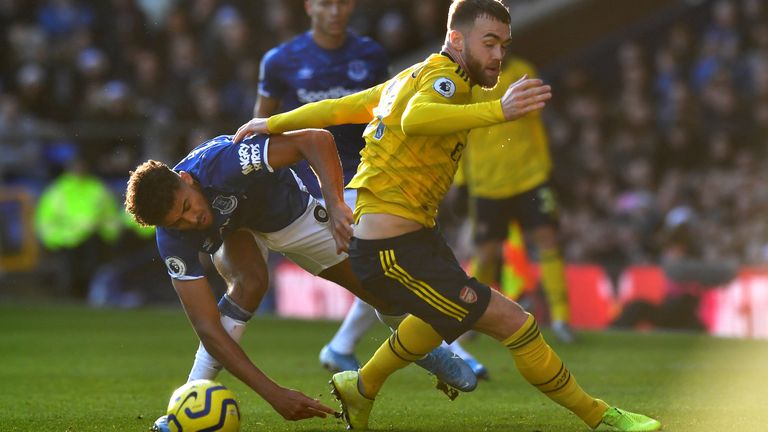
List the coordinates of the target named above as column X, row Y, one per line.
column 270, row 83
column 356, row 108
column 232, row 167
column 437, row 97
column 179, row 254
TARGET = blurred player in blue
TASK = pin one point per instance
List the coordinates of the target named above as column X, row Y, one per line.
column 234, row 203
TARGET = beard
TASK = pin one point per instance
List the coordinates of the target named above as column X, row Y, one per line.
column 477, row 73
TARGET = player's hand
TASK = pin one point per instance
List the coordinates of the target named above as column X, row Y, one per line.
column 295, row 405
column 524, row 96
column 341, row 225
column 253, row 127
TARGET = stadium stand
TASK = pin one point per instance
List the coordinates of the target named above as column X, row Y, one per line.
column 660, row 115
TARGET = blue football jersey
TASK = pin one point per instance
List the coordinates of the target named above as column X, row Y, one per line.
column 299, row 72
column 243, row 191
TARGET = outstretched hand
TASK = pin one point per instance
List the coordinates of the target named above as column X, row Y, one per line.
column 295, row 405
column 341, row 225
column 524, row 96
column 254, row 126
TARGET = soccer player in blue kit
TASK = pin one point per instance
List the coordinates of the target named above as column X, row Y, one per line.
column 234, row 202
column 327, row 62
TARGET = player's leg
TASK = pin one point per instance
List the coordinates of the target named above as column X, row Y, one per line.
column 516, row 329
column 538, row 215
column 451, row 371
column 490, row 227
column 406, row 271
column 241, row 261
column 442, row 362
column 339, row 354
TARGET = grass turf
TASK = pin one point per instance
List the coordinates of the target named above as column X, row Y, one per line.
column 69, row 368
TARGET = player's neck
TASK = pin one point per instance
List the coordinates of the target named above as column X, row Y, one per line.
column 328, row 41
column 455, row 55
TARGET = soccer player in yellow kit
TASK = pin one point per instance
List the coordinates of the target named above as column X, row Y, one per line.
column 507, row 169
column 417, row 129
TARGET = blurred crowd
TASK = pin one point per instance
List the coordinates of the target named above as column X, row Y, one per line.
column 129, row 79
column 670, row 132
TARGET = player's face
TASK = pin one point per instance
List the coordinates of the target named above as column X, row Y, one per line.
column 330, row 17
column 190, row 209
column 484, row 47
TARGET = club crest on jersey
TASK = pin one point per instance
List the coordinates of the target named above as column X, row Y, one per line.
column 445, row 87
column 321, row 214
column 176, row 266
column 468, row 295
column 356, row 70
column 225, row 204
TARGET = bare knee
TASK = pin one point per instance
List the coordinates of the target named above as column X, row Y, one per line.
column 247, row 290
column 502, row 318
column 242, row 266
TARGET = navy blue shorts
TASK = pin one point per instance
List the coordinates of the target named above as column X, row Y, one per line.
column 417, row 273
column 530, row 209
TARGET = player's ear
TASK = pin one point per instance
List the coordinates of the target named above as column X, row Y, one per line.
column 307, row 6
column 186, row 178
column 456, row 40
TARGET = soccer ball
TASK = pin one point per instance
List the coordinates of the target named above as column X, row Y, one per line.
column 203, row 405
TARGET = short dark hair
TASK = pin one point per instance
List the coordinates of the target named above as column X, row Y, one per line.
column 463, row 13
column 151, row 191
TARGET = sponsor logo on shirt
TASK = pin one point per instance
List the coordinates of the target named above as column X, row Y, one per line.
column 356, row 70
column 176, row 266
column 250, row 158
column 445, row 87
column 307, row 96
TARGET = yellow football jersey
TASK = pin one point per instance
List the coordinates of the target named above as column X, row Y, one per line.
column 417, row 130
column 510, row 158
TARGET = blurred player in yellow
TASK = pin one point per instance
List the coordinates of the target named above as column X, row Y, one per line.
column 417, row 129
column 507, row 170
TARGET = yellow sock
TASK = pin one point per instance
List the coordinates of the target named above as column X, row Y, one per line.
column 553, row 282
column 412, row 340
column 541, row 367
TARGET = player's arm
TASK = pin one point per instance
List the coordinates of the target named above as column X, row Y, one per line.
column 265, row 106
column 272, row 86
column 430, row 113
column 352, row 109
column 319, row 149
column 200, row 305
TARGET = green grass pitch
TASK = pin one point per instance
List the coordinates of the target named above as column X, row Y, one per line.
column 69, row 368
